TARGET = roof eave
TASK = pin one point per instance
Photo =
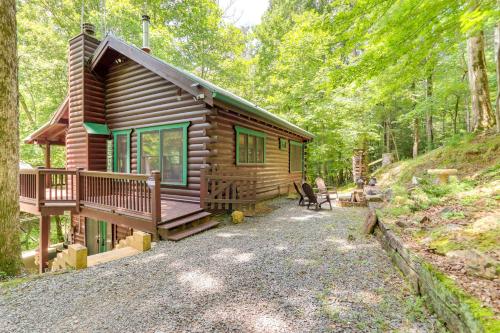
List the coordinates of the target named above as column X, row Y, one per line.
column 263, row 114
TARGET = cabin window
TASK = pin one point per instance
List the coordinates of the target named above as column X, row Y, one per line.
column 250, row 146
column 164, row 148
column 296, row 156
column 283, row 144
column 121, row 151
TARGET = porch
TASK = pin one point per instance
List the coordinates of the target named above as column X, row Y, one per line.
column 130, row 200
column 127, row 200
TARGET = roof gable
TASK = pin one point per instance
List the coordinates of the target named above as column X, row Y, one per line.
column 111, row 47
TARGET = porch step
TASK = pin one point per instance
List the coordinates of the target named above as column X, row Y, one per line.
column 193, row 230
column 184, row 220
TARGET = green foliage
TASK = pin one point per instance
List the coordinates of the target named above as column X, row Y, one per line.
column 340, row 69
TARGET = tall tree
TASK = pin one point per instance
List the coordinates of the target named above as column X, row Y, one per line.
column 482, row 112
column 429, row 130
column 497, row 60
column 10, row 248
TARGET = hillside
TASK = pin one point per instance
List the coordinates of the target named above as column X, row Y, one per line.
column 454, row 226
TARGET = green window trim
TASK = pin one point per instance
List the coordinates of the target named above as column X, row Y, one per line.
column 243, row 130
column 115, row 148
column 301, row 145
column 184, row 126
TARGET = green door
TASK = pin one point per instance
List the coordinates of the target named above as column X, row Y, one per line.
column 103, row 232
column 97, row 234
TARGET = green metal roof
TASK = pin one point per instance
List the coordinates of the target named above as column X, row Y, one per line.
column 235, row 100
column 218, row 93
column 95, row 128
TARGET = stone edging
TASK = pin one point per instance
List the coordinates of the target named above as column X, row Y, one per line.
column 460, row 312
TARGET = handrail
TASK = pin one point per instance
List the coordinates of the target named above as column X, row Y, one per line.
column 136, row 195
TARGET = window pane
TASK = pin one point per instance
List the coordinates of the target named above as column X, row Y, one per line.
column 150, row 149
column 260, row 150
column 242, row 148
column 121, row 153
column 172, row 155
column 295, row 158
column 251, row 149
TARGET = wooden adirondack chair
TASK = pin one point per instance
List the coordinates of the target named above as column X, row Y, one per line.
column 324, row 190
column 302, row 196
column 315, row 200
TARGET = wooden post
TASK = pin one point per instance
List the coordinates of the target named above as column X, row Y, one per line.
column 47, row 164
column 203, row 187
column 156, row 201
column 78, row 188
column 43, row 249
column 40, row 187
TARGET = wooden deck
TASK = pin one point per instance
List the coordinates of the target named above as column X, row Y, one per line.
column 128, row 200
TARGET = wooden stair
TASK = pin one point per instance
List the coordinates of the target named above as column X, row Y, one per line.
column 186, row 225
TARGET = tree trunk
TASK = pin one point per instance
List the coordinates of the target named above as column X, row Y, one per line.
column 482, row 113
column 455, row 115
column 428, row 115
column 59, row 231
column 10, row 245
column 467, row 114
column 497, row 56
column 387, row 137
column 416, row 137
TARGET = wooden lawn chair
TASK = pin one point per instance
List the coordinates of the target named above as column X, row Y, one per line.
column 302, row 195
column 315, row 200
column 324, row 190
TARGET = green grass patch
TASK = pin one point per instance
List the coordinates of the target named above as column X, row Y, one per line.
column 453, row 215
column 14, row 282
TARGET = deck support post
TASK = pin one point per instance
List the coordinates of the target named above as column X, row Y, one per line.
column 44, row 243
column 156, row 202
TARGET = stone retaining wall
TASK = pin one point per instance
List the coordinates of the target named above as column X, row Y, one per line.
column 460, row 312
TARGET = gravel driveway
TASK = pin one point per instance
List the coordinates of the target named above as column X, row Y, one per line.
column 292, row 270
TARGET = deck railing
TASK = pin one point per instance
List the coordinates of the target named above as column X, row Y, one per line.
column 28, row 185
column 228, row 189
column 122, row 193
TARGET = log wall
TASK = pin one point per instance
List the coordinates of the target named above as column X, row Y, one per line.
column 273, row 176
column 137, row 97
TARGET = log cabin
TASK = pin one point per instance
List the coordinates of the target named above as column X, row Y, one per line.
column 152, row 147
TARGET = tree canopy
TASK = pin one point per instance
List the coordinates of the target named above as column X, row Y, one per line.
column 394, row 76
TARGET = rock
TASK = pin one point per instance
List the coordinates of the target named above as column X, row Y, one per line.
column 370, row 222
column 453, row 227
column 486, row 223
column 419, row 196
column 476, row 263
column 425, row 220
column 446, row 210
column 237, row 217
column 401, row 224
column 415, row 180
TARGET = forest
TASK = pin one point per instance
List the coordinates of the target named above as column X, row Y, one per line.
column 394, row 76
column 236, row 238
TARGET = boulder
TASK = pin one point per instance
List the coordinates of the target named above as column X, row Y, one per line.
column 476, row 263
column 237, row 217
